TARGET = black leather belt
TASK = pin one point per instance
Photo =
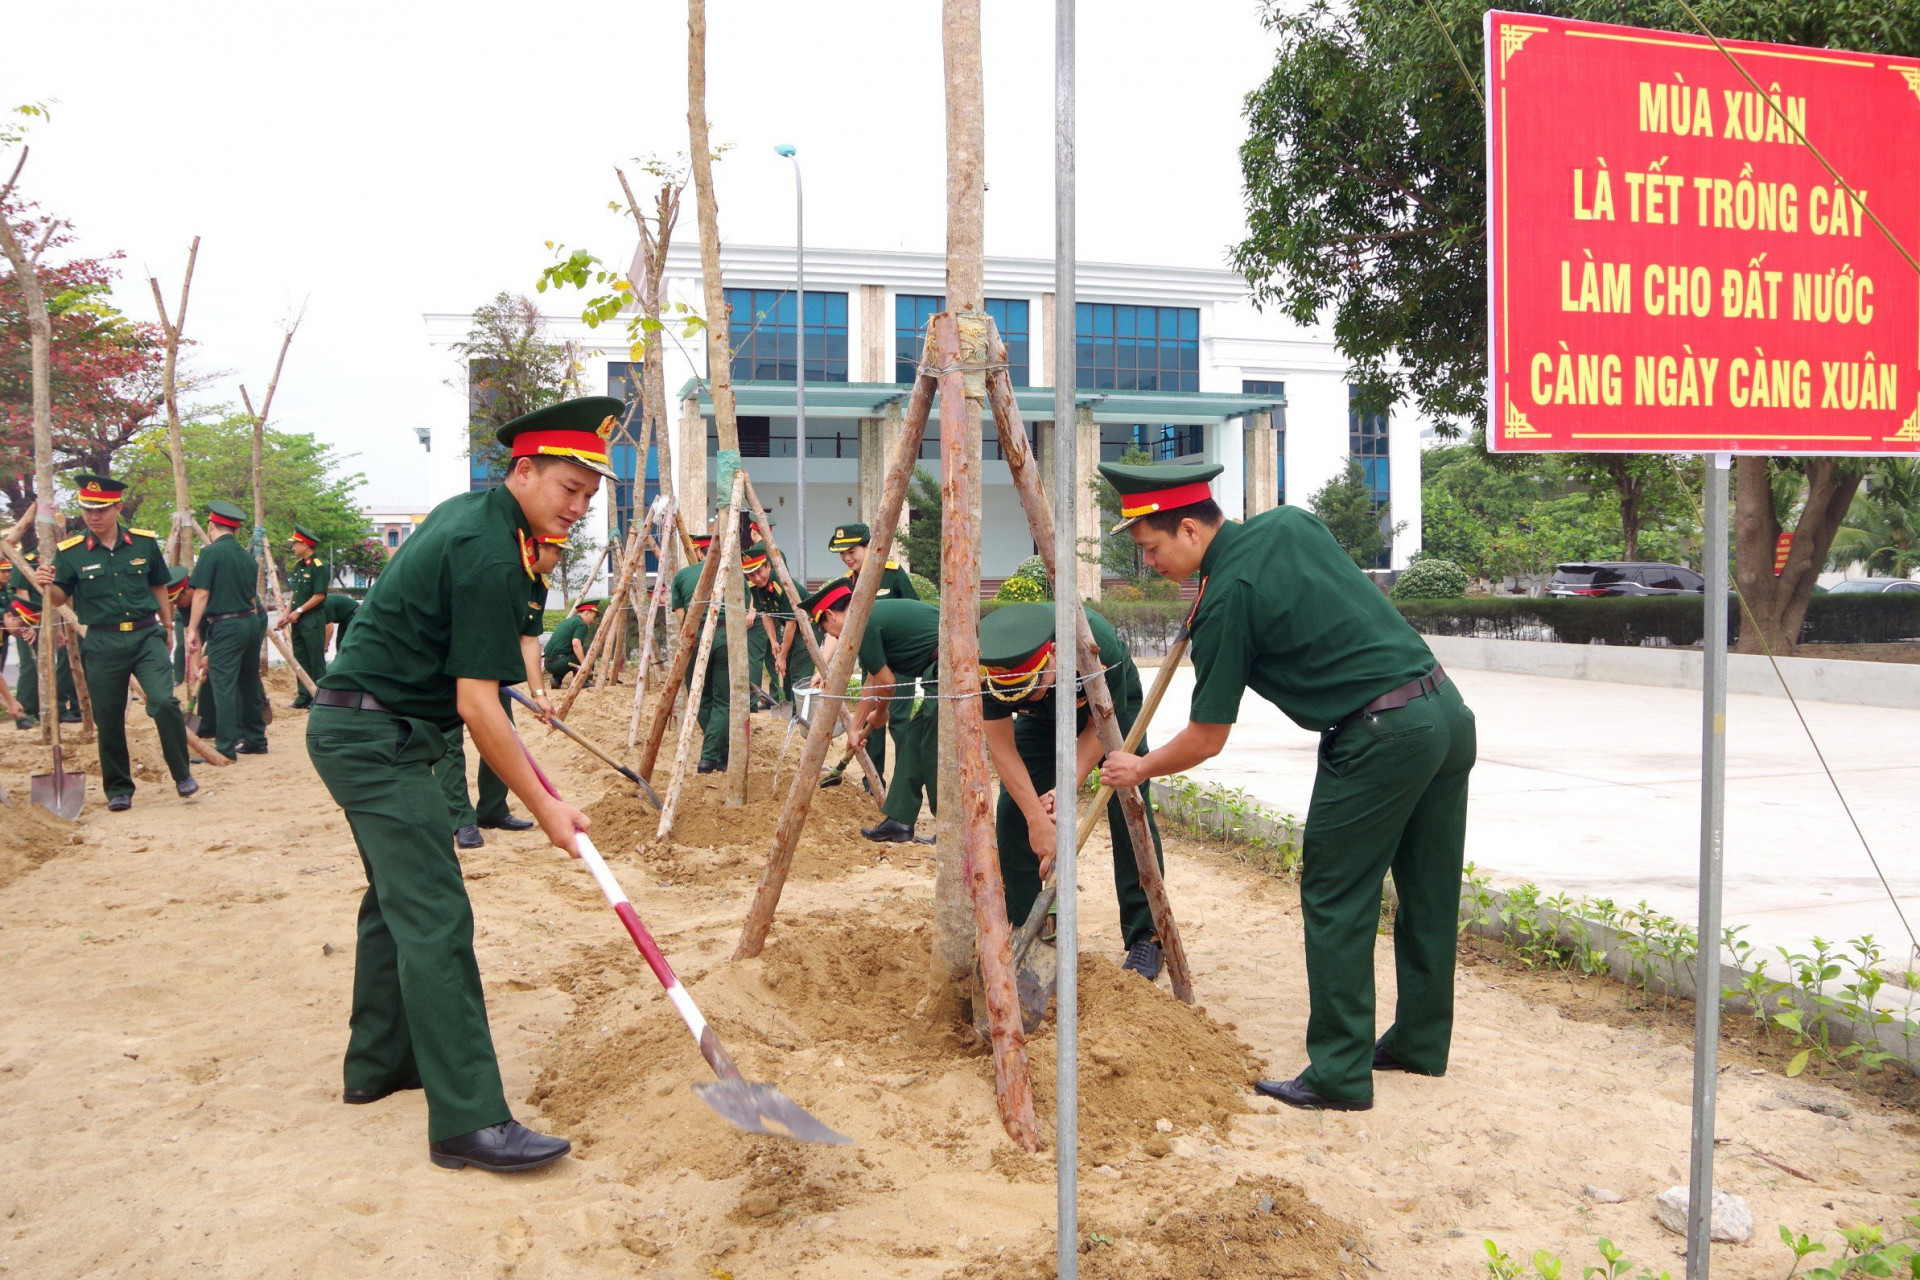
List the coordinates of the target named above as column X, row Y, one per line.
column 237, row 613
column 151, row 620
column 1394, row 699
column 352, row 700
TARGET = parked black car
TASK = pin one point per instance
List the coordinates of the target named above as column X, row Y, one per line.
column 1624, row 578
column 1874, row 586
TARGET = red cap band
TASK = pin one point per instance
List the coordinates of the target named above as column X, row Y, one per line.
column 825, row 603
column 588, row 446
column 222, row 521
column 1181, row 495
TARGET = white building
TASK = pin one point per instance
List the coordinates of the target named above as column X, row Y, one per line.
column 1175, row 360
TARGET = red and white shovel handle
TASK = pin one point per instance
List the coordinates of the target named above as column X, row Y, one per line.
column 710, row 1047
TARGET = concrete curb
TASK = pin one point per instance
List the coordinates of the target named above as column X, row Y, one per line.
column 1869, row 684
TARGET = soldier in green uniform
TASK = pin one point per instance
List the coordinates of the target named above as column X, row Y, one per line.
column 713, row 703
column 1284, row 612
column 849, row 542
column 901, row 644
column 338, row 611
column 1016, row 657
column 306, row 597
column 27, row 651
column 567, row 646
column 226, row 604
column 22, row 621
column 117, row 580
column 769, row 633
column 182, row 607
column 436, row 638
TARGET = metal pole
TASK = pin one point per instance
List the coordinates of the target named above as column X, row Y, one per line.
column 1066, row 632
column 1713, row 778
column 800, row 376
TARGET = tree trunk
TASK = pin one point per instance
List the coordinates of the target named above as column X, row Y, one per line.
column 26, row 271
column 720, row 378
column 951, row 965
column 1632, row 491
column 1779, row 604
column 179, row 544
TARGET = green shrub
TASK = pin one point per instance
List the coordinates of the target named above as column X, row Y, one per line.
column 1431, row 578
column 1021, row 589
column 1146, row 626
column 929, row 591
column 1032, row 567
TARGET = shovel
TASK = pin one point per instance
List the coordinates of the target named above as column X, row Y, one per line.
column 747, row 1104
column 615, row 765
column 1035, row 981
column 59, row 792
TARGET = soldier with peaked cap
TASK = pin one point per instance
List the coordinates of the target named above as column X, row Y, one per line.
column 226, row 605
column 306, row 596
column 900, row 645
column 850, row 543
column 1283, row 611
column 182, row 606
column 713, row 702
column 1017, row 654
column 117, row 580
column 437, row 636
column 23, row 626
column 770, row 630
column 567, row 646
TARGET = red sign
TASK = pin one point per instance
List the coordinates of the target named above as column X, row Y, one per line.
column 1673, row 270
column 1782, row 547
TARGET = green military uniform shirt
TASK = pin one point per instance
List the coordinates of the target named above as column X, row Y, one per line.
column 109, row 586
column 229, row 575
column 680, row 596
column 895, row 583
column 305, row 580
column 1282, row 611
column 903, row 636
column 451, row 605
column 19, row 583
column 560, row 643
column 339, row 608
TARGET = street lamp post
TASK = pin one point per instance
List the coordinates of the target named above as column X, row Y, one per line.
column 799, row 370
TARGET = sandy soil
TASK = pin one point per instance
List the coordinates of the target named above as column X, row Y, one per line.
column 176, row 986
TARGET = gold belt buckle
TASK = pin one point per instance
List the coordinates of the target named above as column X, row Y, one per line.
column 125, row 626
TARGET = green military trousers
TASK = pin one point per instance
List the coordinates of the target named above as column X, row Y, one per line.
column 29, row 690
column 916, row 741
column 233, row 678
column 309, row 643
column 1020, row 862
column 112, row 657
column 713, row 702
column 179, row 644
column 761, row 672
column 417, row 1003
column 451, row 771
column 799, row 664
column 1390, row 795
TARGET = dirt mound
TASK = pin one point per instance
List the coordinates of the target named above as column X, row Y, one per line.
column 1256, row 1227
column 29, row 836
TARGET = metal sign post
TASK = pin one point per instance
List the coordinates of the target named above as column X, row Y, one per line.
column 1066, row 631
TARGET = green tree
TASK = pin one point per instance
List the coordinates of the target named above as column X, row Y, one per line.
column 1345, row 505
column 1882, row 530
column 1365, row 180
column 302, row 480
column 1119, row 556
column 513, row 368
column 921, row 541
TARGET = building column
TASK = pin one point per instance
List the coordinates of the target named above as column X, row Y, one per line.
column 1041, row 374
column 1262, row 463
column 1087, row 532
column 876, row 438
column 875, row 331
column 690, row 465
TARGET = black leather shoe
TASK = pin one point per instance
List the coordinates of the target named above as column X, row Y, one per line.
column 1384, row 1061
column 185, row 787
column 708, row 766
column 507, row 1147
column 508, row 823
column 26, row 722
column 888, row 831
column 361, row 1097
column 245, row 750
column 119, row 804
column 1143, row 958
column 1295, row 1094
column 69, row 717
column 468, row 837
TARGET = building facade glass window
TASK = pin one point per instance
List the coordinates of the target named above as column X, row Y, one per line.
column 1137, row 348
column 765, row 331
column 624, row 383
column 911, row 311
column 1161, row 442
column 1257, row 387
column 482, row 471
column 1367, row 443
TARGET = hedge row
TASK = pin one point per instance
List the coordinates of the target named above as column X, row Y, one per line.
column 1630, row 620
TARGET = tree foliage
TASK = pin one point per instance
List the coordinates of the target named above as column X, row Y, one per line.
column 1882, row 529
column 300, row 477
column 921, row 541
column 1345, row 505
column 513, row 368
column 106, row 369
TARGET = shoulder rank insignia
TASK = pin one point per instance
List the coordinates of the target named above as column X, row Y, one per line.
column 72, row 542
column 893, row 564
column 529, row 552
column 142, row 533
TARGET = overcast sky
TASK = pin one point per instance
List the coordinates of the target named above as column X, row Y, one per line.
column 383, row 160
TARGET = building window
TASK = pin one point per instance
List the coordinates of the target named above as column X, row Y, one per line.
column 1129, row 348
column 1278, row 390
column 1367, row 442
column 1161, row 442
column 483, row 463
column 911, row 311
column 624, row 383
column 765, row 334
column 393, row 539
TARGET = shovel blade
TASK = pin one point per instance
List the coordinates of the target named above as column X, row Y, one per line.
column 1033, row 981
column 62, row 794
column 761, row 1108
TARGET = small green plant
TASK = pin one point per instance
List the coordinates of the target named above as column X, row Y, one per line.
column 1431, row 579
column 1264, row 838
column 1476, row 899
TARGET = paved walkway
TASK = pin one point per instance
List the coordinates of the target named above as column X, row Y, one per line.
column 1594, row 789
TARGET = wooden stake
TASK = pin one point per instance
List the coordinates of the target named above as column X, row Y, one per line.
column 833, row 679
column 729, row 563
column 630, row 557
column 1039, row 509
column 682, row 658
column 179, row 549
column 656, row 603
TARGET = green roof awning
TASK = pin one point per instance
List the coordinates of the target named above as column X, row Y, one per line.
column 829, row 400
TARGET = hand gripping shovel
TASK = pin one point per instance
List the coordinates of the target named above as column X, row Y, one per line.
column 747, row 1104
column 597, row 750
